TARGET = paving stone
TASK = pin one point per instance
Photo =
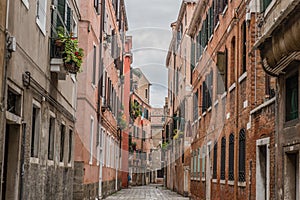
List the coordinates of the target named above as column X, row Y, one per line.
column 149, row 192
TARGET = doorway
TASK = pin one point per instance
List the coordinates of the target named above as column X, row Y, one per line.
column 291, row 176
column 11, row 168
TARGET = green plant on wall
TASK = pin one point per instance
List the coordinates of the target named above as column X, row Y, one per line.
column 164, row 145
column 122, row 122
column 178, row 134
column 135, row 110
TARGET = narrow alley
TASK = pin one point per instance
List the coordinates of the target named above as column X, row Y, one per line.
column 149, row 192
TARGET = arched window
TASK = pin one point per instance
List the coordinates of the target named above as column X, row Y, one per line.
column 215, row 165
column 223, row 156
column 231, row 157
column 242, row 155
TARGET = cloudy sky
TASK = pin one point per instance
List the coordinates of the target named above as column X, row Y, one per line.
column 149, row 24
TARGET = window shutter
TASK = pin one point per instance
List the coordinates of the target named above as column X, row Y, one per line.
column 221, row 65
column 223, row 156
column 192, row 55
column 242, row 155
column 231, row 158
column 215, row 161
column 61, row 13
column 69, row 17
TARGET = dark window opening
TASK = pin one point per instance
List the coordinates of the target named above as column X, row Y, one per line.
column 291, row 104
column 223, row 156
column 51, row 138
column 242, row 155
column 70, row 146
column 215, row 161
column 231, row 158
column 62, row 142
column 244, row 47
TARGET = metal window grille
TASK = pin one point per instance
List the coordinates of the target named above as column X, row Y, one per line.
column 215, row 161
column 242, row 155
column 231, row 157
column 223, row 155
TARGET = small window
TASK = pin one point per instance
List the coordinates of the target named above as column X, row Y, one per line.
column 265, row 4
column 94, row 64
column 242, row 155
column 62, row 142
column 244, row 47
column 291, row 104
column 51, row 138
column 203, row 160
column 91, row 140
column 35, row 131
column 70, row 145
column 146, row 93
column 215, row 161
column 41, row 15
column 96, row 6
column 223, row 156
column 231, row 158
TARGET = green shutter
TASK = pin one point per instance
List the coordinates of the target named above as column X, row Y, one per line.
column 61, row 13
column 69, row 18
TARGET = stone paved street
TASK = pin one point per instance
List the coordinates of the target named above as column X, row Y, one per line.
column 149, row 192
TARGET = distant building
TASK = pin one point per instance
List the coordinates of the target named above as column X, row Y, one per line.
column 140, row 134
column 157, row 122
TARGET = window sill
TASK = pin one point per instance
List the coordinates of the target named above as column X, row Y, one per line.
column 42, row 29
column 199, row 118
column 69, row 165
column 224, row 95
column 215, row 180
column 93, row 86
column 232, row 87
column 26, row 4
column 217, row 26
column 242, row 184
column 50, row 162
column 230, row 182
column 203, row 114
column 209, row 109
column 223, row 182
column 203, row 179
column 216, row 103
column 34, row 160
column 61, row 164
column 211, row 37
column 242, row 77
column 225, row 10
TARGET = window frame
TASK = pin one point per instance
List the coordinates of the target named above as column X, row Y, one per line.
column 36, row 130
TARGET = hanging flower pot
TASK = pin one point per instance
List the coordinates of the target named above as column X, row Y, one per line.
column 71, row 67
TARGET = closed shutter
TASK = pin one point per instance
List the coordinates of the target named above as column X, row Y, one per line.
column 61, row 7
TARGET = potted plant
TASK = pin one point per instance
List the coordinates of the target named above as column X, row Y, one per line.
column 71, row 53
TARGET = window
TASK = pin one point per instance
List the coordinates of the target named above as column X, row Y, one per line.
column 195, row 105
column 96, row 6
column 244, row 47
column 41, row 15
column 265, row 4
column 291, row 98
column 195, row 162
column 232, row 61
column 231, row 157
column 215, row 161
column 192, row 164
column 91, row 140
column 35, row 131
column 146, row 93
column 207, row 92
column 51, row 138
column 70, row 145
column 222, row 70
column 62, row 142
column 203, row 160
column 242, row 155
column 199, row 158
column 94, row 65
column 192, row 57
column 223, row 156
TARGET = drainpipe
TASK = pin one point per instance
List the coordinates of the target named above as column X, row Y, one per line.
column 101, row 70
